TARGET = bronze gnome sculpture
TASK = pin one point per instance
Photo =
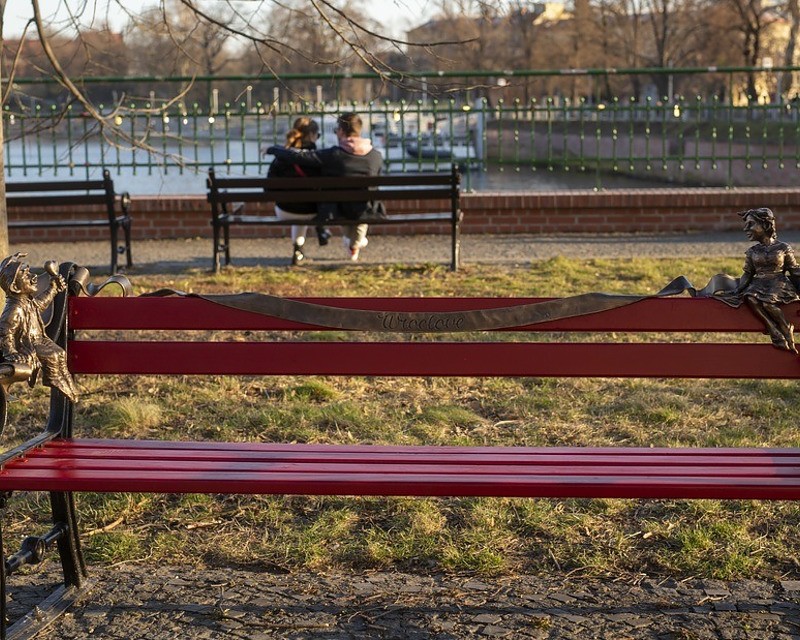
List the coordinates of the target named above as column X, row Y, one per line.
column 22, row 331
column 770, row 277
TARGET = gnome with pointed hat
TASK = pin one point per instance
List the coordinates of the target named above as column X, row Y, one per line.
column 22, row 331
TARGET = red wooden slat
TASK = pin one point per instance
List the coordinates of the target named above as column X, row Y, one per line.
column 136, row 450
column 100, row 444
column 441, row 484
column 366, row 457
column 435, row 359
column 136, row 468
column 663, row 314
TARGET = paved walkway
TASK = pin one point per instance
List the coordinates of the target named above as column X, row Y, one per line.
column 179, row 255
column 164, row 603
column 167, row 603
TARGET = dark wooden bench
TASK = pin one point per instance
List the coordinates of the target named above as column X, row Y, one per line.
column 103, row 339
column 80, row 203
column 228, row 198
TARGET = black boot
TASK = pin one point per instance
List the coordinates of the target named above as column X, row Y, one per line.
column 323, row 235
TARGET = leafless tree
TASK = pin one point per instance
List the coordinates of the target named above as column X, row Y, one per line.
column 792, row 12
column 3, row 209
column 679, row 34
column 751, row 20
column 313, row 48
column 475, row 21
column 170, row 39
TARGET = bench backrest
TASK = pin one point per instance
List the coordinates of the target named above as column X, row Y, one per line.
column 412, row 186
column 428, row 355
column 65, row 193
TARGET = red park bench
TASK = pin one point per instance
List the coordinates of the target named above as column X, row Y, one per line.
column 64, row 465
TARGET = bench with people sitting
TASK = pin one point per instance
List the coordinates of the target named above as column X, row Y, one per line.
column 338, row 186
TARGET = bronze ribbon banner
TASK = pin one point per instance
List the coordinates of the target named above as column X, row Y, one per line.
column 79, row 283
column 449, row 321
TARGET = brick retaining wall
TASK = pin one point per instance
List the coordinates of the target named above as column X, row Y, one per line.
column 618, row 211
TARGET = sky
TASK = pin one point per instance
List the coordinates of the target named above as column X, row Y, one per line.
column 396, row 15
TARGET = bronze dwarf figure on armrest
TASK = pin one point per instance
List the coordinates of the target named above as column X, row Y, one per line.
column 23, row 341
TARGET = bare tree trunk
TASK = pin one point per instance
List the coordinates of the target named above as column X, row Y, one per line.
column 3, row 210
column 785, row 83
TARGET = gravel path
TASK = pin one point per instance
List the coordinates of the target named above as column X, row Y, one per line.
column 164, row 603
column 178, row 255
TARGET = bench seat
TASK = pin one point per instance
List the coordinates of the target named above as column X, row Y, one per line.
column 309, row 469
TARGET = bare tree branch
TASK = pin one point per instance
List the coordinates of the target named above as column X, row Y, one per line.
column 396, row 41
column 17, row 57
column 105, row 124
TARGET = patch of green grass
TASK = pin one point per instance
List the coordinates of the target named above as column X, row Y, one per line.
column 447, row 424
column 113, row 547
column 312, row 391
column 410, row 535
column 166, row 546
column 329, row 538
column 713, row 548
column 131, row 417
column 100, row 509
column 477, row 551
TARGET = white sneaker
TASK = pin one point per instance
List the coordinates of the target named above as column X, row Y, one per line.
column 356, row 249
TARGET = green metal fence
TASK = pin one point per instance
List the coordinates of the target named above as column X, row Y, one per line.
column 678, row 139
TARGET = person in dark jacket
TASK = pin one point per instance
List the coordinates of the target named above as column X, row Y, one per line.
column 352, row 156
column 303, row 135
